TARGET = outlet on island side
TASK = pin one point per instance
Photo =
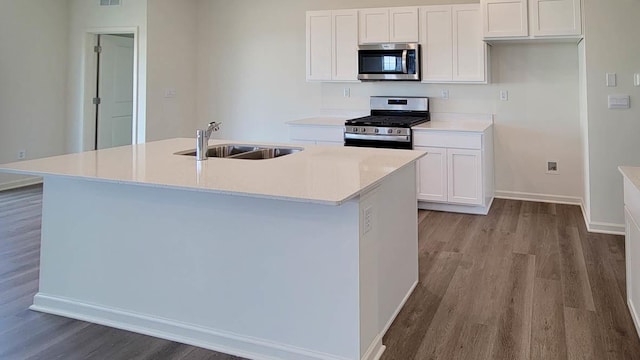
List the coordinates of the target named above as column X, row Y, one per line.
column 22, row 154
column 552, row 167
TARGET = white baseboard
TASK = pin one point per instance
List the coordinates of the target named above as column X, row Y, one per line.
column 634, row 316
column 463, row 209
column 28, row 181
column 594, row 227
column 395, row 314
column 376, row 349
column 545, row 198
column 225, row 342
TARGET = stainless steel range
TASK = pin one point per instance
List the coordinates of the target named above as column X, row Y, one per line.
column 390, row 122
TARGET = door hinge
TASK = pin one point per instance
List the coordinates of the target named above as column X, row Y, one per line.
column 96, row 101
column 97, row 49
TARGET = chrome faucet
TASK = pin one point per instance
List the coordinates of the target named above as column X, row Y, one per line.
column 202, row 140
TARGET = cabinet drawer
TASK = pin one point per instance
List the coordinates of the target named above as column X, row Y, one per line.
column 448, row 139
column 632, row 199
column 317, row 133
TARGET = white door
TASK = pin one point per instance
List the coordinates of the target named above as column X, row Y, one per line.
column 115, row 90
column 374, row 26
column 437, row 43
column 319, row 53
column 403, row 25
column 464, row 180
column 555, row 17
column 345, row 47
column 505, row 18
column 469, row 51
column 432, row 174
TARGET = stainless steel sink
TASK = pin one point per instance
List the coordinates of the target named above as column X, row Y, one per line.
column 244, row 152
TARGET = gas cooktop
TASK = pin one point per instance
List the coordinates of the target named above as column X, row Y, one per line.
column 388, row 121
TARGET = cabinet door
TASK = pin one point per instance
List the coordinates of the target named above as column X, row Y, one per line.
column 345, row 45
column 632, row 250
column 319, row 46
column 469, row 51
column 504, row 18
column 432, row 174
column 464, row 180
column 555, row 17
column 374, row 26
column 437, row 43
column 403, row 24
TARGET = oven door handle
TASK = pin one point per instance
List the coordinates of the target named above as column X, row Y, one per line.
column 405, row 54
column 397, row 138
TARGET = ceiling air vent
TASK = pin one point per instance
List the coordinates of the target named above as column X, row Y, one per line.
column 109, row 2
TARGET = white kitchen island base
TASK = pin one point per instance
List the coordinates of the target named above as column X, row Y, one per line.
column 254, row 277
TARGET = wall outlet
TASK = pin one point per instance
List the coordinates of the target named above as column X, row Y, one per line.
column 368, row 219
column 444, row 95
column 22, row 154
column 552, row 168
column 504, row 95
column 346, row 92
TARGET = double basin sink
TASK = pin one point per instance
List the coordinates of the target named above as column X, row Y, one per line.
column 244, row 152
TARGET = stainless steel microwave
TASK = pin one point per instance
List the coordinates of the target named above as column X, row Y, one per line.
column 389, row 62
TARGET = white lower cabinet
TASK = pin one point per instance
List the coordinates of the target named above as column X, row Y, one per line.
column 632, row 248
column 457, row 172
column 464, row 181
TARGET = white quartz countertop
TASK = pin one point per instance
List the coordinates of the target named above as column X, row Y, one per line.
column 318, row 174
column 453, row 125
column 320, row 121
column 632, row 173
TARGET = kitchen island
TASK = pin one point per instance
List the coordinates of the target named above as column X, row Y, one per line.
column 306, row 256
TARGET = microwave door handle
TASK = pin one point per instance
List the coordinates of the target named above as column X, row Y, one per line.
column 404, row 61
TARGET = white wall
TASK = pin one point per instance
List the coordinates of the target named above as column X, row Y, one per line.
column 88, row 17
column 611, row 44
column 251, row 66
column 171, row 50
column 33, row 75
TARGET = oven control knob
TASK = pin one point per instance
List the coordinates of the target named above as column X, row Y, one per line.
column 389, row 131
column 364, row 130
column 355, row 130
column 399, row 131
column 377, row 131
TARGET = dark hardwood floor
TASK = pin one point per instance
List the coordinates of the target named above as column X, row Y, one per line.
column 525, row 282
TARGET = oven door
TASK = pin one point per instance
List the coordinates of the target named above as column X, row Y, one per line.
column 389, row 62
column 378, row 141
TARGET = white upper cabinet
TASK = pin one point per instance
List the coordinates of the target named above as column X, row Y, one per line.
column 555, row 17
column 396, row 25
column 345, row 45
column 504, row 18
column 332, row 45
column 531, row 19
column 452, row 45
column 437, row 43
column 374, row 26
column 403, row 25
column 469, row 50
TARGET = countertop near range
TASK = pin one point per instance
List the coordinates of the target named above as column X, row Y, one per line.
column 318, row 174
column 320, row 121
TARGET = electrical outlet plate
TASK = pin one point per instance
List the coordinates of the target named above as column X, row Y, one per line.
column 552, row 167
column 22, row 154
column 346, row 92
column 504, row 95
column 368, row 219
column 444, row 95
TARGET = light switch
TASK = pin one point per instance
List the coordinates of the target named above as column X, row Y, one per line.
column 619, row 101
column 636, row 79
column 504, row 95
column 612, row 80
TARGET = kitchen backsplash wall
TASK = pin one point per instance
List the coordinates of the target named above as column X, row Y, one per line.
column 251, row 66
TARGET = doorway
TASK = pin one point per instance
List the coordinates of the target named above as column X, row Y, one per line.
column 114, row 91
